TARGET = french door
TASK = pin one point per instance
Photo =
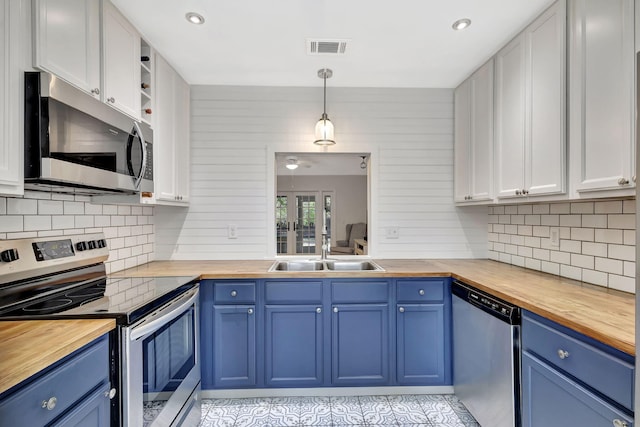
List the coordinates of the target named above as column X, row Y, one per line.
column 299, row 219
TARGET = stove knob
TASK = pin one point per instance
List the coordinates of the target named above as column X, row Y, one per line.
column 92, row 244
column 81, row 246
column 101, row 243
column 9, row 255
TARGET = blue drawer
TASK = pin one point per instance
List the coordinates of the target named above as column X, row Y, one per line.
column 596, row 368
column 66, row 383
column 293, row 292
column 360, row 291
column 236, row 292
column 420, row 291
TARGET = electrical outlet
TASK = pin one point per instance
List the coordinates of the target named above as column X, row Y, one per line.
column 232, row 231
column 393, row 232
column 554, row 237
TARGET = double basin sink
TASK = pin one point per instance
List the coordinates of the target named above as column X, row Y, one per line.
column 325, row 265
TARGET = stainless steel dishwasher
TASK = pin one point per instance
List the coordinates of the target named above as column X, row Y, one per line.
column 486, row 356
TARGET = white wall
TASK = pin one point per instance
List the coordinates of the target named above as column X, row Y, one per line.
column 236, row 131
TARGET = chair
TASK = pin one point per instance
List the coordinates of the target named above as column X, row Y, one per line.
column 354, row 231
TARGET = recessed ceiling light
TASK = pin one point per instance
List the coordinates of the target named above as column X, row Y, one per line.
column 461, row 24
column 195, row 18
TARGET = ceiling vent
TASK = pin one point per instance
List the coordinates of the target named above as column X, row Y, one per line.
column 326, row 46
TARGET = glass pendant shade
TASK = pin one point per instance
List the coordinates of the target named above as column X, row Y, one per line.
column 324, row 131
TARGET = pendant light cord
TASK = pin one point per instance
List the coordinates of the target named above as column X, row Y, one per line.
column 324, row 108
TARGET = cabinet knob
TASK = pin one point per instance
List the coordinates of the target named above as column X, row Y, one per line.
column 401, row 309
column 234, row 293
column 518, row 192
column 95, row 91
column 50, row 403
column 318, row 310
column 623, row 181
column 524, row 192
column 620, row 423
column 110, row 394
column 335, row 309
column 111, row 100
column 250, row 311
column 563, row 354
column 633, row 178
column 421, row 292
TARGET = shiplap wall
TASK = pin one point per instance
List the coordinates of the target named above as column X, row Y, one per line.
column 236, row 131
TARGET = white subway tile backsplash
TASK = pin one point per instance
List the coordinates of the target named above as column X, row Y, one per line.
column 597, row 240
column 40, row 214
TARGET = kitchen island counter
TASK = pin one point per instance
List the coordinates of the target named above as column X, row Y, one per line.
column 604, row 314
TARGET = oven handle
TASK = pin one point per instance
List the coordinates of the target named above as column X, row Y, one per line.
column 164, row 315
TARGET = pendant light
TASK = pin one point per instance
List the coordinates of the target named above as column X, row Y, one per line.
column 324, row 127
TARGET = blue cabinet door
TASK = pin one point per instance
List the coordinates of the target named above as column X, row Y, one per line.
column 551, row 399
column 234, row 346
column 294, row 345
column 94, row 411
column 360, row 344
column 420, row 351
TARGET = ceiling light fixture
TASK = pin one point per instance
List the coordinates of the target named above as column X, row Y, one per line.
column 324, row 127
column 363, row 163
column 292, row 163
column 194, row 18
column 461, row 24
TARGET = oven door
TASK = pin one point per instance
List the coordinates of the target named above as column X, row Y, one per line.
column 160, row 366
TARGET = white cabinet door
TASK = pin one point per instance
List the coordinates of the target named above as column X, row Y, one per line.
column 545, row 122
column 462, row 141
column 473, row 144
column 121, row 62
column 602, row 95
column 510, row 117
column 67, row 41
column 530, row 109
column 171, row 136
column 11, row 98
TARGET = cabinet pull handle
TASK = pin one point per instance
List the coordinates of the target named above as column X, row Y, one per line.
column 234, row 293
column 633, row 178
column 111, row 100
column 563, row 354
column 421, row 291
column 401, row 309
column 95, row 91
column 318, row 310
column 335, row 309
column 250, row 311
column 110, row 394
column 50, row 403
column 525, row 192
column 623, row 181
column 620, row 423
column 518, row 193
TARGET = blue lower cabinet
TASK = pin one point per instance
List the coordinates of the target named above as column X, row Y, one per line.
column 420, row 350
column 93, row 412
column 294, row 345
column 360, row 344
column 553, row 399
column 234, row 346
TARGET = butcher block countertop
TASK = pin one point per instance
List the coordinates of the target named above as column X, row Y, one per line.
column 28, row 346
column 603, row 314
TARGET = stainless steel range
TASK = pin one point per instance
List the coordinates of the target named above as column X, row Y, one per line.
column 155, row 347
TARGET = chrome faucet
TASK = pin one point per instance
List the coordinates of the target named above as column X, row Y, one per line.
column 323, row 256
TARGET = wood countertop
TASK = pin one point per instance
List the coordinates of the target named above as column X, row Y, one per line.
column 28, row 346
column 603, row 314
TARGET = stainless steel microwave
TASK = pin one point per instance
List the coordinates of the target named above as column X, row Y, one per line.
column 76, row 144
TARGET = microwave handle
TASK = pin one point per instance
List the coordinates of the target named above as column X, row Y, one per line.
column 143, row 167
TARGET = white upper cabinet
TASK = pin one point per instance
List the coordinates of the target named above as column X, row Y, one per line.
column 473, row 146
column 171, row 135
column 121, row 62
column 601, row 96
column 530, row 109
column 67, row 41
column 11, row 97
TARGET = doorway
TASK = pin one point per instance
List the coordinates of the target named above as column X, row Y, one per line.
column 299, row 217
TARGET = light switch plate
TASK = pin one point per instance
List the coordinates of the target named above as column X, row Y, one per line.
column 554, row 237
column 232, row 231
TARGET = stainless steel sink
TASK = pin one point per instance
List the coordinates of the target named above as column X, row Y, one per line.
column 306, row 265
column 352, row 265
column 327, row 265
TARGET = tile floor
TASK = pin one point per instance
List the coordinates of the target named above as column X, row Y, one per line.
column 402, row 410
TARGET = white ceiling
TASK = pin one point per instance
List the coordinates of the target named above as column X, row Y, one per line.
column 402, row 43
